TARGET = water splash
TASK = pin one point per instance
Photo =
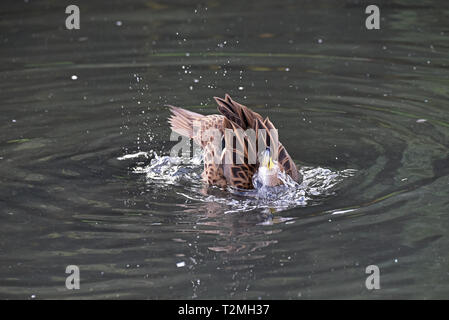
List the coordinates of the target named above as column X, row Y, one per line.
column 317, row 184
column 171, row 170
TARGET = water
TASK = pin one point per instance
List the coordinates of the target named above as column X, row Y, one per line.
column 364, row 113
column 185, row 173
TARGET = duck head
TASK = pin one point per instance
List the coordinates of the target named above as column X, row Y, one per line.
column 268, row 170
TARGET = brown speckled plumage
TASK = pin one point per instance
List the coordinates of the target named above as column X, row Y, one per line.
column 233, row 116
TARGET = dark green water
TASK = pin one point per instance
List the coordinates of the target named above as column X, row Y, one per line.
column 341, row 96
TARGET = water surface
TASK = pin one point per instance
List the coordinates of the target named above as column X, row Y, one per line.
column 343, row 98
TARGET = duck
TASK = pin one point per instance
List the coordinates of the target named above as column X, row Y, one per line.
column 231, row 156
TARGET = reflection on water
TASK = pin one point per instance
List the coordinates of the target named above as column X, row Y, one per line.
column 364, row 113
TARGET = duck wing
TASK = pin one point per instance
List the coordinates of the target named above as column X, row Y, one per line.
column 240, row 171
column 235, row 112
column 285, row 162
column 237, row 169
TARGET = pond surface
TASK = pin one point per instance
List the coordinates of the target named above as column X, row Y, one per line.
column 365, row 114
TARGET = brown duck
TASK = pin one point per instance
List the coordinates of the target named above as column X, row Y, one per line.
column 239, row 169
